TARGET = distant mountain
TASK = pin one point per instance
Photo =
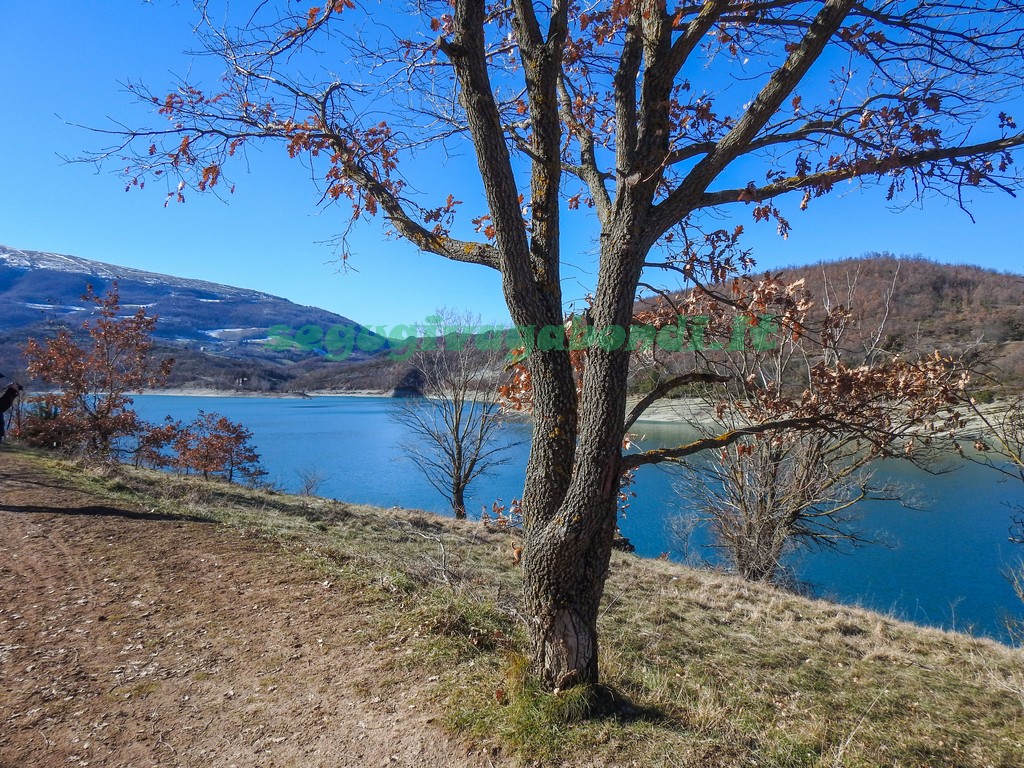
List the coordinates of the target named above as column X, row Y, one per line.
column 217, row 333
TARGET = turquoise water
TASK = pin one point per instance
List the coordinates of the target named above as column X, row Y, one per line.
column 942, row 564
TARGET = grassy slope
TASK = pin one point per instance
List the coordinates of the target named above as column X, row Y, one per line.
column 706, row 670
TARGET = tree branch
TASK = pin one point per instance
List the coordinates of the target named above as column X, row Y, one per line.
column 865, row 167
column 666, row 386
column 779, row 86
column 587, row 171
column 468, row 56
column 660, row 455
column 432, row 242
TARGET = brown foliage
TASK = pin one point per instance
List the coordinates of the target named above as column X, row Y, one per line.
column 153, row 442
column 214, row 445
column 90, row 407
column 89, row 412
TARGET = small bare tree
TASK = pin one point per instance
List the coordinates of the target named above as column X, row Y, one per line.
column 769, row 492
column 996, row 435
column 310, row 480
column 1000, row 445
column 764, row 496
column 456, row 429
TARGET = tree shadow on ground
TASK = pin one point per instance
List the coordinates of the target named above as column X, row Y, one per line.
column 15, row 481
column 608, row 702
column 101, row 511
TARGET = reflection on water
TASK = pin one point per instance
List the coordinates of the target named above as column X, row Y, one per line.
column 942, row 564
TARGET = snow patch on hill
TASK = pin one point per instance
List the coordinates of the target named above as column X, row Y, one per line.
column 14, row 258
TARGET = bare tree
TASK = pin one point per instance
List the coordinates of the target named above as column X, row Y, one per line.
column 310, row 480
column 764, row 497
column 766, row 494
column 995, row 439
column 655, row 119
column 457, row 428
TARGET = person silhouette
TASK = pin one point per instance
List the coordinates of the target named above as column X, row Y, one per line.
column 6, row 401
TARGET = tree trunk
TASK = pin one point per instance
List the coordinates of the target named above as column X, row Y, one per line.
column 459, row 501
column 565, row 576
column 569, row 543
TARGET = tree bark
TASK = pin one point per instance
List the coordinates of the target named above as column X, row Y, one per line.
column 566, row 571
column 459, row 501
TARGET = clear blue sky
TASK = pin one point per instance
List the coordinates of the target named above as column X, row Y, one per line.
column 61, row 66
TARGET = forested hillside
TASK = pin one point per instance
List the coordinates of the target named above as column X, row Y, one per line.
column 921, row 305
column 917, row 305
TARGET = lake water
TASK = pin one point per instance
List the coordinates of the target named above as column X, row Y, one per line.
column 941, row 565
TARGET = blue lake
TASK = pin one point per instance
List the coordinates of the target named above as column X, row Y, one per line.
column 943, row 564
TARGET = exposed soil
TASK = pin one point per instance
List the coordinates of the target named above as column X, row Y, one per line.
column 135, row 639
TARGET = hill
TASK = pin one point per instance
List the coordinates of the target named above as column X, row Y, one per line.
column 911, row 306
column 166, row 621
column 932, row 306
column 920, row 305
column 217, row 333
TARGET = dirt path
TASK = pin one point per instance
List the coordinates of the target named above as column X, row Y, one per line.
column 131, row 639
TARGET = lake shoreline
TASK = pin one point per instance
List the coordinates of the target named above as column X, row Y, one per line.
column 213, row 392
column 682, row 410
column 956, row 557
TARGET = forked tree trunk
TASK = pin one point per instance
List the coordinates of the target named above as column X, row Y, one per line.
column 565, row 577
column 568, row 553
column 569, row 540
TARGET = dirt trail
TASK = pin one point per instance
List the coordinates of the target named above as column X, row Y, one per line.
column 134, row 639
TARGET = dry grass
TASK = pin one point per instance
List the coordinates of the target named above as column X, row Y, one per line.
column 703, row 669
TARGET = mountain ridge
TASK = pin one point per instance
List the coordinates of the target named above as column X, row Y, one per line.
column 219, row 334
column 58, row 262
